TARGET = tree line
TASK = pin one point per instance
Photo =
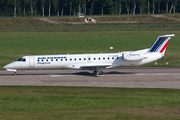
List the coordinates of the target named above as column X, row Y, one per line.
column 86, row 7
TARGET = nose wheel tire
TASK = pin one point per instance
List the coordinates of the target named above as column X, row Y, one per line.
column 15, row 73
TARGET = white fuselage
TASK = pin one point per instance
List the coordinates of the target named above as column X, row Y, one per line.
column 79, row 61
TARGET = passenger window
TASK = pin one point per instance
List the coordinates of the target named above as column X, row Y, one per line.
column 84, row 58
column 74, row 59
column 89, row 58
column 46, row 59
column 80, row 59
column 99, row 58
column 112, row 57
column 42, row 60
column 61, row 59
column 103, row 58
column 51, row 59
column 65, row 59
column 108, row 58
column 70, row 59
column 56, row 59
column 94, row 58
column 38, row 60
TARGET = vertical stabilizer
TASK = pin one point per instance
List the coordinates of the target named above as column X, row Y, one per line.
column 160, row 44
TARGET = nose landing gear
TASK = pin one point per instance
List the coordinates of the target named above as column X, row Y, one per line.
column 15, row 73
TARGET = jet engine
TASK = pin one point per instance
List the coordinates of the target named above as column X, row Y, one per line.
column 134, row 56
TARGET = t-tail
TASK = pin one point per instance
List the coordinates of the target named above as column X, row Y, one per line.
column 160, row 44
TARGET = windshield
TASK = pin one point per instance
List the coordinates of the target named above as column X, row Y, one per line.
column 22, row 59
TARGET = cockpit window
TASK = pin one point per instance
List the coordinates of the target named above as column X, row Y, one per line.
column 22, row 59
column 19, row 59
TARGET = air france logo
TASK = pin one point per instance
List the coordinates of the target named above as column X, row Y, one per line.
column 42, row 59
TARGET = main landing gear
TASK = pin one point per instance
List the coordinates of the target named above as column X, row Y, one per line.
column 98, row 71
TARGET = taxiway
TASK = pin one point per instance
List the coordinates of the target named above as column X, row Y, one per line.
column 130, row 77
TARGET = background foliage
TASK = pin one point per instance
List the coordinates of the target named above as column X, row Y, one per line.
column 87, row 7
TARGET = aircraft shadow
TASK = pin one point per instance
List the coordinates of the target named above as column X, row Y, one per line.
column 76, row 73
column 106, row 73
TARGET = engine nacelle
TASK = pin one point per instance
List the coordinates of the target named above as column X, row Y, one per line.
column 134, row 56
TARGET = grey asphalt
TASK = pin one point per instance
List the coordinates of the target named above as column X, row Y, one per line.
column 164, row 77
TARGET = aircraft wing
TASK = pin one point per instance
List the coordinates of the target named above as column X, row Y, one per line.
column 92, row 67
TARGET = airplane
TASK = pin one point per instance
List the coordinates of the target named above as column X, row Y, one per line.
column 93, row 62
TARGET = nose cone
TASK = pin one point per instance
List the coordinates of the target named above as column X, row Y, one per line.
column 10, row 65
column 5, row 67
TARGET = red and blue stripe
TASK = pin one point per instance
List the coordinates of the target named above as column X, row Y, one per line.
column 160, row 45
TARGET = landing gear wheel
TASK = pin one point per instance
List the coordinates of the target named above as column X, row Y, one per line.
column 101, row 73
column 15, row 73
column 98, row 72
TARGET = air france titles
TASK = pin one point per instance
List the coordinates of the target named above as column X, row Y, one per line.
column 134, row 54
column 45, row 60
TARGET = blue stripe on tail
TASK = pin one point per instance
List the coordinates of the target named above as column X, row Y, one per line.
column 158, row 44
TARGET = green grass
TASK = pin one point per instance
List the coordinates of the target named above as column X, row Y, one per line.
column 21, row 21
column 17, row 44
column 177, row 16
column 91, row 27
column 88, row 103
column 138, row 17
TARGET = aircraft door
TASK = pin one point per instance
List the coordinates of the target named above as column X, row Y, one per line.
column 31, row 61
column 20, row 64
column 89, row 59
